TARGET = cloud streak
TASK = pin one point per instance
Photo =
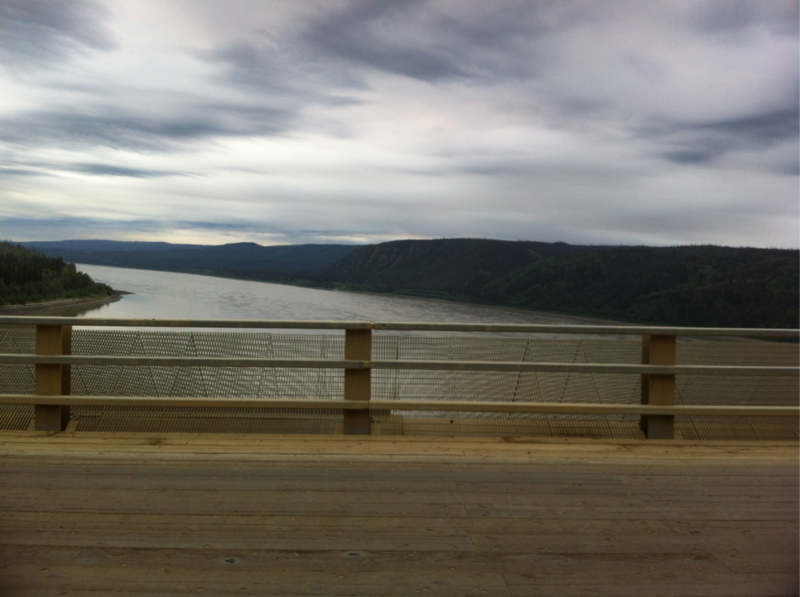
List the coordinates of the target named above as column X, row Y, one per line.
column 32, row 33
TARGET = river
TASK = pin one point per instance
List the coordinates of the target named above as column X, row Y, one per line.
column 167, row 295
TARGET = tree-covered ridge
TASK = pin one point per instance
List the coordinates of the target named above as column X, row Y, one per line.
column 28, row 277
column 696, row 286
column 705, row 286
column 460, row 267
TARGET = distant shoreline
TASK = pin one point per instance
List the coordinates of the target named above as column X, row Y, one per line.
column 56, row 306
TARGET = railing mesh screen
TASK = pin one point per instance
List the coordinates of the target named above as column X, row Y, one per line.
column 323, row 384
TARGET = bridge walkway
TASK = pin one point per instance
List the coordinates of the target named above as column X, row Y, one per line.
column 224, row 514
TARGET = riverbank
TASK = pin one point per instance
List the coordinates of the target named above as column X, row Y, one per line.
column 59, row 306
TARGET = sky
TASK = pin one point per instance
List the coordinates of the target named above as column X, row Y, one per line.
column 361, row 121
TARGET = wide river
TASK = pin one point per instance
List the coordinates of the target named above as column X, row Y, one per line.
column 166, row 295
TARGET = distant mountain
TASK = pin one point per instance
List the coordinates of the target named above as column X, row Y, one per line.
column 95, row 246
column 245, row 260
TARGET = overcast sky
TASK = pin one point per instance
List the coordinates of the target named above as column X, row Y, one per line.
column 210, row 121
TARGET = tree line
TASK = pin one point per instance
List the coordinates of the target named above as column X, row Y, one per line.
column 29, row 277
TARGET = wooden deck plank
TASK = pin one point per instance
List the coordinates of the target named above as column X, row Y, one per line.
column 166, row 515
column 374, row 572
column 20, row 522
column 775, row 554
column 240, row 444
column 476, row 480
column 769, row 586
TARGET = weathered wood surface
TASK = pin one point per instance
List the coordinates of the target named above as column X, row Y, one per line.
column 418, row 405
column 172, row 514
column 51, row 379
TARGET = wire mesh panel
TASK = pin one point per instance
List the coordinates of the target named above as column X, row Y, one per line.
column 505, row 386
column 209, row 382
column 17, row 379
column 325, row 384
column 737, row 391
column 580, row 388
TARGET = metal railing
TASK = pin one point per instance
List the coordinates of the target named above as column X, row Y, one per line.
column 53, row 361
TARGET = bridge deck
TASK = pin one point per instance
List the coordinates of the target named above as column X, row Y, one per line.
column 174, row 514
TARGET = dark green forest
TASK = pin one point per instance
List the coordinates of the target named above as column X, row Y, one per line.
column 29, row 277
column 458, row 268
column 705, row 286
column 696, row 286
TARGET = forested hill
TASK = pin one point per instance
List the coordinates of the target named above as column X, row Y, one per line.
column 459, row 268
column 28, row 277
column 693, row 285
column 239, row 260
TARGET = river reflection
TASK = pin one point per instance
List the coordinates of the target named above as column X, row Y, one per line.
column 166, row 295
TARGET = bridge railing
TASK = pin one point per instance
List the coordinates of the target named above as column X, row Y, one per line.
column 53, row 361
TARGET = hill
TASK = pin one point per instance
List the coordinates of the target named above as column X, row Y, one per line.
column 696, row 286
column 240, row 260
column 29, row 277
column 692, row 285
column 453, row 268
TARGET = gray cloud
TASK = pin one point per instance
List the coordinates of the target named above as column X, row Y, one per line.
column 284, row 74
column 22, row 168
column 119, row 128
column 695, row 155
column 111, row 170
column 16, row 171
column 370, row 33
column 759, row 129
column 736, row 16
column 46, row 30
column 700, row 143
column 438, row 42
column 63, row 228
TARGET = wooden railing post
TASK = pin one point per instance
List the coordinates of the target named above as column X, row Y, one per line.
column 357, row 382
column 51, row 379
column 658, row 389
column 66, row 370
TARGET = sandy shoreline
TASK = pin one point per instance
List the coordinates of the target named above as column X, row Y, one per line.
column 57, row 307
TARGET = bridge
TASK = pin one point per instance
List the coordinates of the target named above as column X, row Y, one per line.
column 395, row 459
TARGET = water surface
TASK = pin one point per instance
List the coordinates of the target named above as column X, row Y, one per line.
column 167, row 295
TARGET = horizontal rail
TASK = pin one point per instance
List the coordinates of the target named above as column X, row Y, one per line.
column 184, row 402
column 587, row 409
column 632, row 330
column 584, row 368
column 182, row 361
column 187, row 323
column 609, row 369
column 408, row 405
